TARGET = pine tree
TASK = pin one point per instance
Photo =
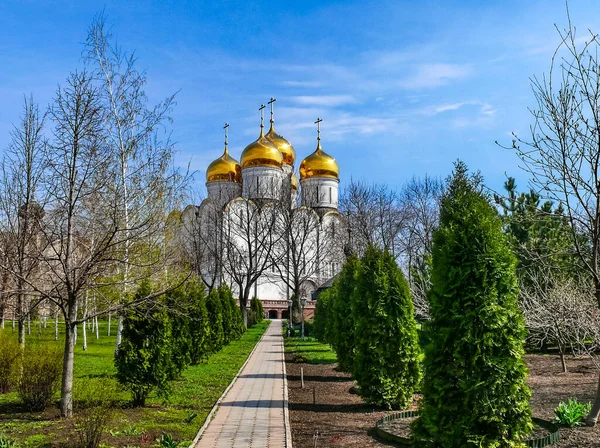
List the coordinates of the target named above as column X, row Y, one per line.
column 474, row 390
column 342, row 322
column 386, row 360
column 215, row 318
column 257, row 310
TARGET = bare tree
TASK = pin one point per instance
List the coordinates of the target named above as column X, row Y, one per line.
column 420, row 202
column 130, row 129
column 250, row 237
column 563, row 155
column 374, row 216
column 562, row 314
column 21, row 207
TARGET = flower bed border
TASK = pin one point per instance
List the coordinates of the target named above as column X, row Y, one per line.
column 539, row 442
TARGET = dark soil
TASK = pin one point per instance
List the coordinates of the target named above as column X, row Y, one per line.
column 341, row 419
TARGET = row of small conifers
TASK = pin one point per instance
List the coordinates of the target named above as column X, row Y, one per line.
column 470, row 372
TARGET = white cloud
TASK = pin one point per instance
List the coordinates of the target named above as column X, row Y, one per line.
column 324, row 100
column 435, row 75
column 308, row 84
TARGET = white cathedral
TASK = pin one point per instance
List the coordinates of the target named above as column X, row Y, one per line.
column 308, row 247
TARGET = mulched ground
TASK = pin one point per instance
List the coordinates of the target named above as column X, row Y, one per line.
column 341, row 419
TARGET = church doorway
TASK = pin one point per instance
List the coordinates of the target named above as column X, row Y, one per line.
column 272, row 314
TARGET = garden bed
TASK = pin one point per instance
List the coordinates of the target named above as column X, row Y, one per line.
column 342, row 419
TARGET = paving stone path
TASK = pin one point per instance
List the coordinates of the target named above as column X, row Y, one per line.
column 254, row 410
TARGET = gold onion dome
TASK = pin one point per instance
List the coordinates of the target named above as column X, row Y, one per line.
column 294, row 182
column 319, row 163
column 287, row 150
column 224, row 169
column 261, row 152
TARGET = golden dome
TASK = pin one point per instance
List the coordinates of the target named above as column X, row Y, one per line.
column 285, row 147
column 261, row 153
column 294, row 182
column 224, row 169
column 319, row 164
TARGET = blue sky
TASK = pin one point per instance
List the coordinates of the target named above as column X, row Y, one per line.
column 404, row 88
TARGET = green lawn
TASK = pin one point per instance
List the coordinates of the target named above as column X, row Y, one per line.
column 190, row 402
column 312, row 350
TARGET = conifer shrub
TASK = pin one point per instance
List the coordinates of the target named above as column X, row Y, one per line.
column 199, row 324
column 386, row 359
column 40, row 372
column 342, row 322
column 474, row 390
column 233, row 325
column 257, row 310
column 215, row 318
column 145, row 359
column 179, row 304
column 322, row 319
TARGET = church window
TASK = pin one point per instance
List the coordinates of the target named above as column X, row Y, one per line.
column 330, row 200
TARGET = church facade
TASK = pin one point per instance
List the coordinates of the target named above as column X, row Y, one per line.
column 262, row 231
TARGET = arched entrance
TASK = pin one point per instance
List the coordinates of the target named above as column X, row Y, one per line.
column 272, row 314
column 285, row 314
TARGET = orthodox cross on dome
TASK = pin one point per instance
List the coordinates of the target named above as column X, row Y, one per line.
column 262, row 116
column 226, row 127
column 318, row 123
column 271, row 103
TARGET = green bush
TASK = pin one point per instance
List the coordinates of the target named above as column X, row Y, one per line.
column 257, row 310
column 179, row 302
column 94, row 400
column 322, row 321
column 40, row 372
column 199, row 324
column 386, row 361
column 233, row 325
column 215, row 317
column 145, row 359
column 10, row 351
column 342, row 323
column 572, row 413
column 474, row 388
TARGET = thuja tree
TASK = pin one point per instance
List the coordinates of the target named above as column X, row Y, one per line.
column 145, row 359
column 342, row 323
column 474, row 390
column 386, row 360
column 257, row 310
column 200, row 323
column 215, row 318
column 322, row 319
column 233, row 325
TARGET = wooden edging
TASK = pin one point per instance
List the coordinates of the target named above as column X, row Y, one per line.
column 286, row 412
column 218, row 402
column 539, row 442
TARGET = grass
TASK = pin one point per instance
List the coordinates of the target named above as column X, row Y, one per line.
column 192, row 397
column 311, row 350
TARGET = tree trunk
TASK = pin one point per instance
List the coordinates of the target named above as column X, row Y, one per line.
column 109, row 317
column 21, row 332
column 66, row 391
column 244, row 314
column 56, row 325
column 563, row 361
column 119, row 333
column 96, row 326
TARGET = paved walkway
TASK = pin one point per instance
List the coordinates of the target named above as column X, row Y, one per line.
column 252, row 412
